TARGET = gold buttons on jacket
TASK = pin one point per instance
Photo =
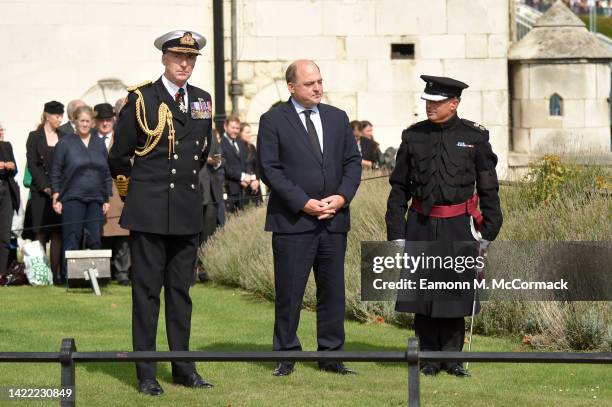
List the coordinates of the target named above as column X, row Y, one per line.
column 173, row 171
column 195, row 157
column 172, row 185
column 176, row 156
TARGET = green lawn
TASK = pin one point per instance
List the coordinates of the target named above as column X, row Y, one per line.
column 604, row 24
column 35, row 319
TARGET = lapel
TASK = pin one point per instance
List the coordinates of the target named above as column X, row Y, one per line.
column 165, row 97
column 327, row 132
column 302, row 135
column 43, row 149
column 230, row 145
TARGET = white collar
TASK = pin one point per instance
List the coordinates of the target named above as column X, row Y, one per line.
column 301, row 108
column 173, row 88
column 231, row 140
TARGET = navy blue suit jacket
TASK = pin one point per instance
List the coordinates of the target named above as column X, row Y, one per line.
column 295, row 173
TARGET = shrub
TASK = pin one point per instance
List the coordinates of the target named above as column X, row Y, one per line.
column 556, row 202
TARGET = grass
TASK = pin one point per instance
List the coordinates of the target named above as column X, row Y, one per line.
column 553, row 207
column 604, row 24
column 36, row 318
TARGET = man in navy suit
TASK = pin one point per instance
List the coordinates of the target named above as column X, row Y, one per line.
column 309, row 159
column 238, row 173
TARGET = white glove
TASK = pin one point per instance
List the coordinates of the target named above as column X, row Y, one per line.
column 399, row 243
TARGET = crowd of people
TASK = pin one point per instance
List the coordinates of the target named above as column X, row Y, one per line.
column 580, row 7
column 73, row 203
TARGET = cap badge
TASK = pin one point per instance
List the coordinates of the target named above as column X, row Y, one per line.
column 187, row 39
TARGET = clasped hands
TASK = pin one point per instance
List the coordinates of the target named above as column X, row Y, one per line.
column 7, row 165
column 325, row 208
column 58, row 207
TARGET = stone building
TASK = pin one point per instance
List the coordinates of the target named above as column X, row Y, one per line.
column 371, row 53
column 560, row 89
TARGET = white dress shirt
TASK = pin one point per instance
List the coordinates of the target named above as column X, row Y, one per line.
column 314, row 116
column 173, row 89
column 243, row 176
column 107, row 140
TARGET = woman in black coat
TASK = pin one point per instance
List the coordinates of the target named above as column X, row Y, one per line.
column 9, row 197
column 40, row 149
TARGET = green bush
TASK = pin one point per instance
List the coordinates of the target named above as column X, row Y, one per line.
column 563, row 205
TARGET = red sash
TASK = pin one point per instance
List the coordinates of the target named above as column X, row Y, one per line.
column 469, row 207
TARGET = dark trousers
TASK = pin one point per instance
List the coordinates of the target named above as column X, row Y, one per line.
column 121, row 260
column 210, row 221
column 294, row 256
column 162, row 261
column 234, row 203
column 78, row 215
column 446, row 334
column 6, row 220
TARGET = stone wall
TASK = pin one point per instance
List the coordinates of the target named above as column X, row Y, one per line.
column 59, row 50
column 585, row 121
column 351, row 39
column 62, row 49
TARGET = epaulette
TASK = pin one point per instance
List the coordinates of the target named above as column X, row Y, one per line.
column 140, row 85
column 418, row 124
column 474, row 125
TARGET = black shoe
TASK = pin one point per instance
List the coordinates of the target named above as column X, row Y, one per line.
column 150, row 387
column 337, row 368
column 458, row 370
column 203, row 276
column 123, row 282
column 429, row 370
column 193, row 380
column 283, row 369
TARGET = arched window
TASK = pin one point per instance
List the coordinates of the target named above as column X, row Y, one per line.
column 555, row 105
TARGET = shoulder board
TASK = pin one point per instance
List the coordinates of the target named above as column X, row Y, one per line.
column 140, row 85
column 474, row 125
column 418, row 124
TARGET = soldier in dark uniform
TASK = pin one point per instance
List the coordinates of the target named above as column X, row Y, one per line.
column 439, row 162
column 165, row 128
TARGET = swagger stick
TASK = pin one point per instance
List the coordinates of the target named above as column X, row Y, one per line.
column 482, row 245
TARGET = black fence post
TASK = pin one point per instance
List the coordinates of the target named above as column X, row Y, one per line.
column 412, row 357
column 67, row 371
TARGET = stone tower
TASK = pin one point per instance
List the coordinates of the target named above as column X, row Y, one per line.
column 560, row 89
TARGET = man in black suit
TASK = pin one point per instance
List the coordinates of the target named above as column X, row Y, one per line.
column 163, row 209
column 238, row 174
column 309, row 159
column 69, row 127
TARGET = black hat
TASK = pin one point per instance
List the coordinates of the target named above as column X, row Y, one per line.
column 185, row 42
column 54, row 107
column 440, row 88
column 104, row 111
